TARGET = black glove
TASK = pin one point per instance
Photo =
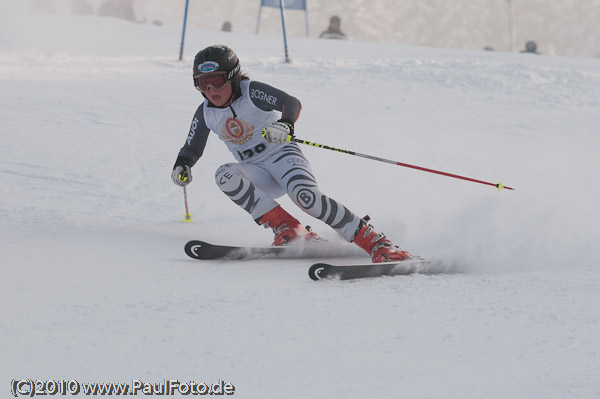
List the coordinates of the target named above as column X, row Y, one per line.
column 289, row 123
column 182, row 171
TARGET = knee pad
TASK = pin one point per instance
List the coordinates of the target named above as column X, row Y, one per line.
column 227, row 175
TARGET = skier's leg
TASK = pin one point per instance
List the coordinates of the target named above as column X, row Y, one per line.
column 296, row 176
column 294, row 173
column 253, row 188
column 249, row 187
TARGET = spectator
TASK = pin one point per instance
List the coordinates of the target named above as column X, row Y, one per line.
column 333, row 30
column 226, row 26
column 530, row 47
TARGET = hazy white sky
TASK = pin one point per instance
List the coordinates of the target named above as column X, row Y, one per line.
column 560, row 27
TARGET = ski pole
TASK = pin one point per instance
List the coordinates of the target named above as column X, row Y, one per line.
column 499, row 186
column 188, row 215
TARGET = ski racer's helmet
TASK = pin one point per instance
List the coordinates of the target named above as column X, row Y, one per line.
column 218, row 58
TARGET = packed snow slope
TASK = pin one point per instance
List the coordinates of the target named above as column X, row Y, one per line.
column 96, row 286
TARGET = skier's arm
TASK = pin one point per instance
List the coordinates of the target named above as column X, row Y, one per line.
column 269, row 98
column 196, row 139
column 192, row 150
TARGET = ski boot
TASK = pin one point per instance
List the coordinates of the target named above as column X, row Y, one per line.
column 286, row 227
column 377, row 245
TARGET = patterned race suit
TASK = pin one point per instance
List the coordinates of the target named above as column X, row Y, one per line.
column 264, row 171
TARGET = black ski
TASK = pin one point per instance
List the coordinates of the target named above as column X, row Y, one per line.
column 320, row 271
column 203, row 250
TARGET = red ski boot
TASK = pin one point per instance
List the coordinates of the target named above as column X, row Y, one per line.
column 377, row 245
column 286, row 227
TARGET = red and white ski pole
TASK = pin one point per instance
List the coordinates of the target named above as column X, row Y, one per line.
column 499, row 186
column 188, row 215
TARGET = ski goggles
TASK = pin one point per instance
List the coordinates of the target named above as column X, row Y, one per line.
column 217, row 80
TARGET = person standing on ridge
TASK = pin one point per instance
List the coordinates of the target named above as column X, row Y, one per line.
column 333, row 31
column 256, row 122
column 530, row 47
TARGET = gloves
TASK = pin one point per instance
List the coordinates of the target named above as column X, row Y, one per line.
column 182, row 172
column 279, row 132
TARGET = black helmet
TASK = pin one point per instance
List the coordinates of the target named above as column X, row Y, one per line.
column 217, row 58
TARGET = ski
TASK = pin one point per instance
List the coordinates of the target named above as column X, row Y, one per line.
column 321, row 271
column 203, row 250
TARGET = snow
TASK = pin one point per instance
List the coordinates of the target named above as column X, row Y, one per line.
column 96, row 287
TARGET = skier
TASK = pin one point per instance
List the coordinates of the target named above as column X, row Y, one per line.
column 269, row 165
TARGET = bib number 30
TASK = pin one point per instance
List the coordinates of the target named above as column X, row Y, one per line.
column 250, row 152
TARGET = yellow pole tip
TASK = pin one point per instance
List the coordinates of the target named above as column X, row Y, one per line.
column 500, row 186
column 187, row 218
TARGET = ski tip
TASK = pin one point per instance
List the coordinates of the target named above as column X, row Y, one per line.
column 316, row 271
column 195, row 249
